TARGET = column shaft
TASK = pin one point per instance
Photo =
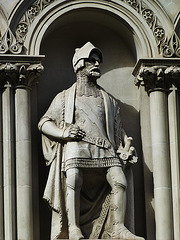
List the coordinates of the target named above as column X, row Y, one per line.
column 8, row 165
column 173, row 107
column 1, row 177
column 23, row 165
column 161, row 165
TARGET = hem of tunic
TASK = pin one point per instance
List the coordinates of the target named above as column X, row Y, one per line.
column 91, row 163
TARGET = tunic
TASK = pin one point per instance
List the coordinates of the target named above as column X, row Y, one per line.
column 64, row 110
column 82, row 154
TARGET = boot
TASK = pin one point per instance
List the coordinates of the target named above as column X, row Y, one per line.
column 73, row 212
column 74, row 183
column 118, row 206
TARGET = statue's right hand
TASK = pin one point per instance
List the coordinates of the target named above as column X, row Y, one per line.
column 73, row 132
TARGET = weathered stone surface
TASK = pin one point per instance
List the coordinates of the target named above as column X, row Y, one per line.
column 86, row 120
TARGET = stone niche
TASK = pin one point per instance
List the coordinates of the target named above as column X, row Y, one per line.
column 140, row 43
column 116, row 40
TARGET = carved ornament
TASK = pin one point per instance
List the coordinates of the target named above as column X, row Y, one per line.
column 161, row 78
column 10, row 44
column 168, row 47
column 20, row 74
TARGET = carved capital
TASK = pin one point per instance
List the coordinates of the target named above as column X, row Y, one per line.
column 19, row 73
column 157, row 74
column 153, row 78
column 173, row 74
column 28, row 74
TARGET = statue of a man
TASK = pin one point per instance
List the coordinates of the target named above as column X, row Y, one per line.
column 85, row 145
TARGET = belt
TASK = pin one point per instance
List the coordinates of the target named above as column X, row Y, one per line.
column 99, row 142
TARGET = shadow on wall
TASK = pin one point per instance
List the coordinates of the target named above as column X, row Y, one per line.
column 131, row 124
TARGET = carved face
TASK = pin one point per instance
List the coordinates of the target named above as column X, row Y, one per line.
column 92, row 65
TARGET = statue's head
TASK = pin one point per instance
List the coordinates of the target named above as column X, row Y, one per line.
column 88, row 59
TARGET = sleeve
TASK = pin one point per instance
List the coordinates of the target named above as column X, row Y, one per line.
column 55, row 112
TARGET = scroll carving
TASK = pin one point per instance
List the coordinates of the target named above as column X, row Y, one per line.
column 9, row 44
column 172, row 47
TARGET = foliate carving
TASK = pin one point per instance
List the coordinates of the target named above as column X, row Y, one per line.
column 159, row 33
column 22, row 28
column 20, row 74
column 151, row 77
column 148, row 15
column 33, row 11
column 173, row 73
column 7, row 73
column 33, row 73
column 172, row 47
column 9, row 44
column 164, row 45
column 29, row 16
column 132, row 2
column 158, row 77
column 167, row 47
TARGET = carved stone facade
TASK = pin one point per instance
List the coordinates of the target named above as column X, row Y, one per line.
column 38, row 38
column 160, row 77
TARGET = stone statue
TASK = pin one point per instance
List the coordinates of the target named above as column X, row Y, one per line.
column 86, row 148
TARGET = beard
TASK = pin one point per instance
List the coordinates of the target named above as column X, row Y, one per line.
column 86, row 82
column 93, row 73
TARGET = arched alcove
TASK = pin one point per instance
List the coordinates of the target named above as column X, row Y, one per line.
column 125, row 31
column 116, row 40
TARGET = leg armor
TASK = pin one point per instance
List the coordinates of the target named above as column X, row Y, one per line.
column 118, row 183
column 74, row 182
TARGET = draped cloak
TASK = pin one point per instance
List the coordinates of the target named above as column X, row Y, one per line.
column 61, row 112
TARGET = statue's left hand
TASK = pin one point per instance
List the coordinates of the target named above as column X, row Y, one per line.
column 127, row 153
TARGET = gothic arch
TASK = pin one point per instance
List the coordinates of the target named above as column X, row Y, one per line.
column 150, row 29
column 146, row 25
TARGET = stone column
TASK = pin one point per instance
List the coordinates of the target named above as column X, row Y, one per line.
column 152, row 73
column 22, row 73
column 8, row 164
column 161, row 165
column 27, row 77
column 23, row 164
column 8, row 151
column 174, row 129
column 1, row 177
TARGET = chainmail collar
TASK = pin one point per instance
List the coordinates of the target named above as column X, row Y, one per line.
column 86, row 87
